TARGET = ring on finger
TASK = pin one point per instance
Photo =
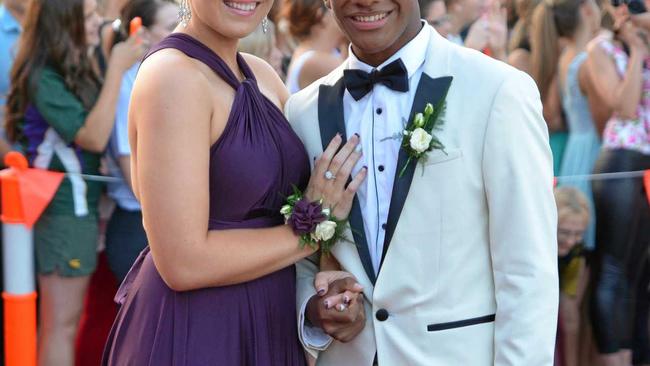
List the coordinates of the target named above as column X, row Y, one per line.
column 329, row 175
column 341, row 307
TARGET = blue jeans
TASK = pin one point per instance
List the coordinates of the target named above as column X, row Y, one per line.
column 125, row 239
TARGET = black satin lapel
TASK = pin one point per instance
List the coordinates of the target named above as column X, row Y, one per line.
column 331, row 121
column 429, row 91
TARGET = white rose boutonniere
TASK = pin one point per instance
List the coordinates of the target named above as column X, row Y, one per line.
column 418, row 136
column 420, row 140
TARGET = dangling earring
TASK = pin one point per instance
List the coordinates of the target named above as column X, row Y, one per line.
column 185, row 13
column 265, row 25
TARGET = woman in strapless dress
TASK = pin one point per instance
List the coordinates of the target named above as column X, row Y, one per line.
column 213, row 160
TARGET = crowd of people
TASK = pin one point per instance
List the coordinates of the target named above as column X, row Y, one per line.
column 68, row 68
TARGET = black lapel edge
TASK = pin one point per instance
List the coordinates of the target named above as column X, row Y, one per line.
column 330, row 109
column 429, row 91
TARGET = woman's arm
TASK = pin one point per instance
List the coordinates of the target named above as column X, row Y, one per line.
column 553, row 107
column 520, row 58
column 600, row 111
column 620, row 95
column 172, row 114
column 95, row 132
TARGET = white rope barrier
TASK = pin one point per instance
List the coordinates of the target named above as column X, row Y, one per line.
column 603, row 176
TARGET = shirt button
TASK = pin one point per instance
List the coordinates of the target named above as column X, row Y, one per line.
column 379, row 111
column 383, row 226
column 381, row 315
column 381, row 168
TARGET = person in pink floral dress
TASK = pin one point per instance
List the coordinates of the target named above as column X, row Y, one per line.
column 620, row 301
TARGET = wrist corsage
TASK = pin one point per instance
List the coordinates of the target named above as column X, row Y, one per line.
column 314, row 224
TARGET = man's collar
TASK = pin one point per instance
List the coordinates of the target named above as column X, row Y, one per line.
column 412, row 54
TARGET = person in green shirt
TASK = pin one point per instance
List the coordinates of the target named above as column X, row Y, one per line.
column 62, row 113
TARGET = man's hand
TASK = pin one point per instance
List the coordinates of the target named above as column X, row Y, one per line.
column 338, row 308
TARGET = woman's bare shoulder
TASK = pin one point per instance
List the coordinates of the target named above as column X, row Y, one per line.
column 170, row 86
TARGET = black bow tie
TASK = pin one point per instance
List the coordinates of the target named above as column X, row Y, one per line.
column 359, row 83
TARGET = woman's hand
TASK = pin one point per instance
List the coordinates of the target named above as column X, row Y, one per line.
column 330, row 177
column 126, row 54
column 635, row 37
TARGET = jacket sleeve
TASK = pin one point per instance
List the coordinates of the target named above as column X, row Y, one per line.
column 518, row 175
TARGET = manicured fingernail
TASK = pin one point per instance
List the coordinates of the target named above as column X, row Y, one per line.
column 357, row 135
column 365, row 167
column 346, row 299
column 321, row 292
column 327, row 304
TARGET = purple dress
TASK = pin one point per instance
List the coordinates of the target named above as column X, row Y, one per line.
column 253, row 166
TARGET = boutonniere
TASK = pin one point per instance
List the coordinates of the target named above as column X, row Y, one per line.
column 418, row 137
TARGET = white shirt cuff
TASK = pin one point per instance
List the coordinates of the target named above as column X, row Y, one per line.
column 313, row 337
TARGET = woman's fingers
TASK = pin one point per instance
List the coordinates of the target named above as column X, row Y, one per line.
column 342, row 156
column 317, row 180
column 341, row 301
column 343, row 207
column 325, row 278
column 346, row 170
column 323, row 163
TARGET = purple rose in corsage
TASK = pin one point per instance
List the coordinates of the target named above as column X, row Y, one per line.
column 314, row 224
column 305, row 216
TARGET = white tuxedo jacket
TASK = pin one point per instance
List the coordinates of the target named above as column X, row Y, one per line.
column 469, row 268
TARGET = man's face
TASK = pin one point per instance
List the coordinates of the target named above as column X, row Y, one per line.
column 377, row 26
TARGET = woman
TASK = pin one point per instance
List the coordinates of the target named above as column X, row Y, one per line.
column 519, row 44
column 545, row 75
column 213, row 160
column 125, row 236
column 321, row 45
column 622, row 210
column 577, row 22
column 62, row 116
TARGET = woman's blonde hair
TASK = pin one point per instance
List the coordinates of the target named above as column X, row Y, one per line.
column 570, row 200
column 259, row 43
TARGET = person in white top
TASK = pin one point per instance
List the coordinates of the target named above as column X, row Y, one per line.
column 456, row 253
column 321, row 45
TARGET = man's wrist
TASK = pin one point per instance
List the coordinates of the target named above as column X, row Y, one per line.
column 311, row 312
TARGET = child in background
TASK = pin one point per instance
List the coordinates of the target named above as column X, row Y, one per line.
column 573, row 218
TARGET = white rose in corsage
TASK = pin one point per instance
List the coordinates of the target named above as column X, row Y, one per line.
column 324, row 231
column 286, row 211
column 420, row 140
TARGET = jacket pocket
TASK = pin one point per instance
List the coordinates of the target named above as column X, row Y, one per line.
column 461, row 323
column 439, row 156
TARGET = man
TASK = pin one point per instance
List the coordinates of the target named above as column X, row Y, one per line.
column 457, row 255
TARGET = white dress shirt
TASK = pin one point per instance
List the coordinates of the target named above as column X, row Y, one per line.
column 378, row 116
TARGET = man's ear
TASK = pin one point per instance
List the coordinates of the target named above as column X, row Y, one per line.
column 327, row 4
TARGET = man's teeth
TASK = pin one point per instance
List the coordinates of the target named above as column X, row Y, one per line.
column 372, row 18
column 242, row 6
